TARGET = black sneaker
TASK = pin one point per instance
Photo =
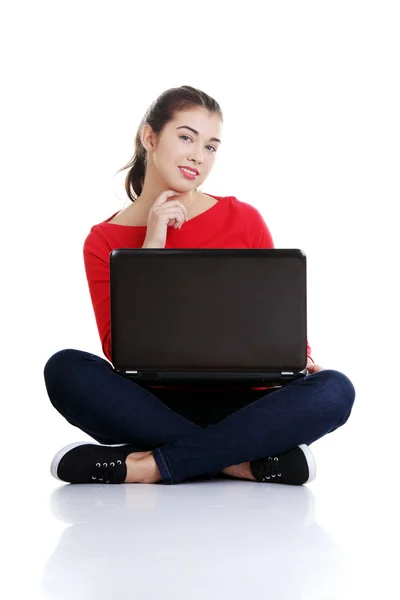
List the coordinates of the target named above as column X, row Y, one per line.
column 295, row 467
column 81, row 462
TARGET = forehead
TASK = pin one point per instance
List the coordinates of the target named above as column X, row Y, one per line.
column 200, row 119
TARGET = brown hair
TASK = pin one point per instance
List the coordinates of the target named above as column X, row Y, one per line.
column 160, row 112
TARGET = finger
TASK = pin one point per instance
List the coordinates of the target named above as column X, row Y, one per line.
column 165, row 195
column 173, row 211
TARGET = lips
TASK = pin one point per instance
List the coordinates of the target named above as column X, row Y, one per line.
column 195, row 171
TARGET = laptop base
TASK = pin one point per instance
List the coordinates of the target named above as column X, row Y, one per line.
column 205, row 379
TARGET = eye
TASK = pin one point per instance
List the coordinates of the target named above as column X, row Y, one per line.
column 189, row 138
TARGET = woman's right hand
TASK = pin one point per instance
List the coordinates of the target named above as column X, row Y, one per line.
column 164, row 213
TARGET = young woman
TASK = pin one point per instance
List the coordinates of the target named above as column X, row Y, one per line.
column 169, row 434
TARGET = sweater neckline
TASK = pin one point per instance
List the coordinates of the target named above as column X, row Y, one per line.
column 203, row 214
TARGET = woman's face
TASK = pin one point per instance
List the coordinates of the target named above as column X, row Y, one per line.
column 179, row 146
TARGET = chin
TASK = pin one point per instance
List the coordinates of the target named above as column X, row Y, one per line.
column 186, row 189
column 183, row 186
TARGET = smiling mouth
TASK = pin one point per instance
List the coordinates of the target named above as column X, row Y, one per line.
column 190, row 171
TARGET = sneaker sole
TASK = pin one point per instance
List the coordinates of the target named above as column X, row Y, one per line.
column 56, row 460
column 312, row 467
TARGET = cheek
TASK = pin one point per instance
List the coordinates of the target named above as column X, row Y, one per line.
column 207, row 168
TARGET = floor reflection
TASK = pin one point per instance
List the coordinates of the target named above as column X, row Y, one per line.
column 203, row 540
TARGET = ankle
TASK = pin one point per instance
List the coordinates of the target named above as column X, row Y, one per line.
column 241, row 471
column 141, row 468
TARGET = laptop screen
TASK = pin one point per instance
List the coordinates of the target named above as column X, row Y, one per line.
column 208, row 309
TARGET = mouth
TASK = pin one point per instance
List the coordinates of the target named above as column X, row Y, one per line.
column 190, row 170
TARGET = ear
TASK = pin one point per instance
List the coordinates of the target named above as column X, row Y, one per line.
column 148, row 138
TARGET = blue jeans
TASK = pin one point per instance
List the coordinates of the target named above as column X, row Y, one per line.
column 194, row 434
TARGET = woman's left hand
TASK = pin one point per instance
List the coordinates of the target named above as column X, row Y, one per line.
column 313, row 367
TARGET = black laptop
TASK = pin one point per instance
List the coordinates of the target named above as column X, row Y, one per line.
column 208, row 316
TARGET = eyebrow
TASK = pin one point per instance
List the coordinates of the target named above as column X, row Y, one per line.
column 197, row 133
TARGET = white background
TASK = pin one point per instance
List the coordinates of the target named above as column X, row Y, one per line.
column 310, row 95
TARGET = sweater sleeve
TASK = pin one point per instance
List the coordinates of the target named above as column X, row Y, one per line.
column 96, row 255
column 258, row 231
column 261, row 237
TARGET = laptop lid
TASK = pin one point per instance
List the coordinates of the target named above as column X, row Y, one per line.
column 208, row 315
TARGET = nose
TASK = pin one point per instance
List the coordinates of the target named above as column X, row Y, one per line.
column 197, row 156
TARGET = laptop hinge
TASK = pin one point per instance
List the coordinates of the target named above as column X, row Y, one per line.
column 282, row 373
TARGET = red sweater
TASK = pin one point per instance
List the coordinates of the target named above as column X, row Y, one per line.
column 230, row 223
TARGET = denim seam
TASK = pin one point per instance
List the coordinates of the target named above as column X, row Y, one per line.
column 165, row 465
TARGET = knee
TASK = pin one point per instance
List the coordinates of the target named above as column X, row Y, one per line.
column 340, row 392
column 67, row 371
column 61, row 372
column 58, row 364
